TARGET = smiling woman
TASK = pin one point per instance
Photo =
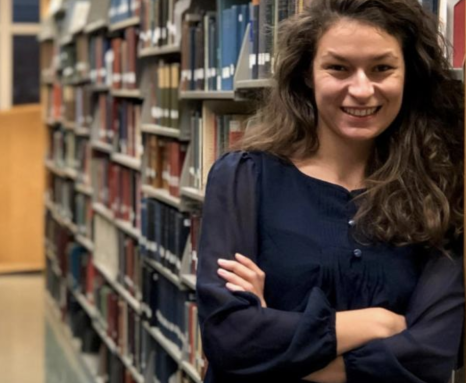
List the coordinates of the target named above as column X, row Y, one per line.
column 336, row 256
column 358, row 76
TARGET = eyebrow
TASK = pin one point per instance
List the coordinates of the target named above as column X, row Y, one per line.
column 383, row 56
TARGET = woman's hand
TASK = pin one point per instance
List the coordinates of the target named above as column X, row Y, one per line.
column 243, row 275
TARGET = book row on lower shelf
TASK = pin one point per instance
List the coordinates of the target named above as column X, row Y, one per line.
column 137, row 311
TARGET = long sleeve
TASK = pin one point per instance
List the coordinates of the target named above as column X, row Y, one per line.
column 243, row 341
column 426, row 352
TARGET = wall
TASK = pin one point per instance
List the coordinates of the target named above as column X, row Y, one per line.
column 22, row 174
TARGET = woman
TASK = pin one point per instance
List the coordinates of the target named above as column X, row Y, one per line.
column 327, row 246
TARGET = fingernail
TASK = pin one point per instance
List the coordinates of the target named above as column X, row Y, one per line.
column 229, row 286
column 221, row 261
column 221, row 271
column 238, row 255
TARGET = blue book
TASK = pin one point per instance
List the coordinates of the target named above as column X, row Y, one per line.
column 192, row 56
column 150, row 228
column 243, row 21
column 213, row 67
column 221, row 6
column 254, row 41
column 142, row 243
column 225, row 42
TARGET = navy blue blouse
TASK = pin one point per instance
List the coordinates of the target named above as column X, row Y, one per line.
column 298, row 230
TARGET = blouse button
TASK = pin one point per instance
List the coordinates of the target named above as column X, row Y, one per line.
column 351, row 222
column 357, row 253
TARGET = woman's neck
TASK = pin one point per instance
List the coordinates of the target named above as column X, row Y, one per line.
column 338, row 161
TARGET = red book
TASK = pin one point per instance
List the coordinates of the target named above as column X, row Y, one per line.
column 117, row 65
column 123, row 194
column 131, row 56
column 114, row 127
column 118, row 193
column 130, row 130
column 103, row 117
column 114, row 201
column 99, row 59
column 177, row 154
column 458, row 34
column 137, row 218
column 172, row 166
column 90, row 275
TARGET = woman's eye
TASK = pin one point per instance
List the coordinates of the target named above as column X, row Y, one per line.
column 337, row 68
column 383, row 68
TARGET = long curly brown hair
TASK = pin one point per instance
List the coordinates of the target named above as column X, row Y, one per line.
column 415, row 176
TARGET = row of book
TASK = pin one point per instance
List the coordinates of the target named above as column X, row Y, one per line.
column 211, row 136
column 58, row 238
column 130, row 268
column 81, row 270
column 164, row 234
column 112, row 61
column 163, row 163
column 121, row 323
column 121, row 10
column 199, row 59
column 163, row 97
column 111, row 368
column 83, row 161
column 164, row 306
column 77, row 105
column 83, row 214
column 117, row 188
column 67, row 63
column 169, row 312
column 62, row 195
column 160, row 21
column 62, row 150
column 193, row 350
column 117, row 123
column 73, row 60
column 124, row 55
column 100, row 60
column 127, row 137
column 54, row 107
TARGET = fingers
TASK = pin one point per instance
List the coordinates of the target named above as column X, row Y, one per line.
column 248, row 263
column 243, row 267
column 235, row 280
column 233, row 287
column 238, row 268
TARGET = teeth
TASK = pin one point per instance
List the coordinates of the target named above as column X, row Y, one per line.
column 360, row 112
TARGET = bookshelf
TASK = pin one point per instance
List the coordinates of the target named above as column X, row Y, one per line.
column 136, row 115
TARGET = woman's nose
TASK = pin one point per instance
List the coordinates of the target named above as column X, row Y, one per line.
column 361, row 86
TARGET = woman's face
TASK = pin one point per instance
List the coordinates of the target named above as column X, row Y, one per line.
column 358, row 79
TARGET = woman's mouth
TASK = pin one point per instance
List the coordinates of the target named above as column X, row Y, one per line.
column 361, row 112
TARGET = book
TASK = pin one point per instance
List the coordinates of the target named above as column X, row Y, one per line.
column 458, row 34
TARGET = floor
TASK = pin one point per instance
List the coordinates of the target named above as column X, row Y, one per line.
column 34, row 347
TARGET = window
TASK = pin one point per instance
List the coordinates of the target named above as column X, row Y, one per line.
column 25, row 70
column 19, row 50
column 25, row 11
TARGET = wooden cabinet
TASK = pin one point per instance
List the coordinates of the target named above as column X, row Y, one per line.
column 22, row 148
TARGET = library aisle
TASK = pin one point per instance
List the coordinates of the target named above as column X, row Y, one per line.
column 33, row 345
